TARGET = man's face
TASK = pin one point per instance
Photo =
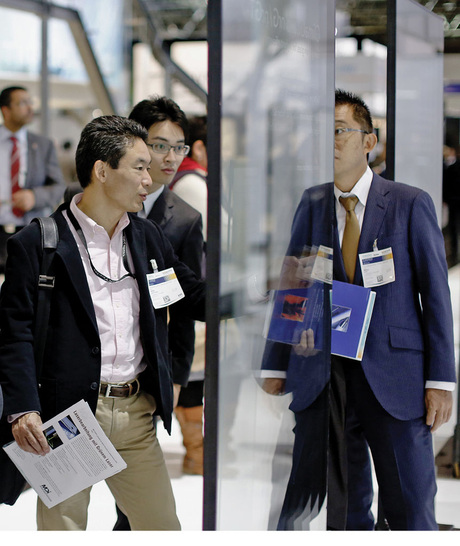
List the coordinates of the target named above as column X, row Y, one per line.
column 351, row 149
column 20, row 111
column 126, row 187
column 164, row 166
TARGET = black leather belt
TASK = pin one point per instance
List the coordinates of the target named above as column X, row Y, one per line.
column 115, row 390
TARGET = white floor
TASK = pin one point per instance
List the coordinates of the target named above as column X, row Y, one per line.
column 188, row 489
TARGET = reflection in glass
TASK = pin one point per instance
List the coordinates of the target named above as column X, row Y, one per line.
column 277, row 133
column 419, row 99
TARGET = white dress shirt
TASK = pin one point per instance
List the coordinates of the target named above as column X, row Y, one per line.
column 116, row 305
column 149, row 202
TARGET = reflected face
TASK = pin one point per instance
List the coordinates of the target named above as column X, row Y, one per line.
column 20, row 111
column 164, row 166
column 351, row 149
column 127, row 186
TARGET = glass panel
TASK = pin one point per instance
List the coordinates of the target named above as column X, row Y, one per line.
column 64, row 60
column 419, row 99
column 109, row 37
column 277, row 141
column 20, row 58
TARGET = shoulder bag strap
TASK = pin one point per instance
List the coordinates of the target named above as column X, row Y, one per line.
column 50, row 239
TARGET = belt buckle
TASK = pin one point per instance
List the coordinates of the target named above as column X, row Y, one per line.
column 109, row 390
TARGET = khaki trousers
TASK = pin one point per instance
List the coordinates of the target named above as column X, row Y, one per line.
column 143, row 490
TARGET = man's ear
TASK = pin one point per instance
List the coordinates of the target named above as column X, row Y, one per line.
column 4, row 109
column 100, row 171
column 371, row 141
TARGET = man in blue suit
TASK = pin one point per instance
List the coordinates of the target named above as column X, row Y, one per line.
column 107, row 335
column 401, row 391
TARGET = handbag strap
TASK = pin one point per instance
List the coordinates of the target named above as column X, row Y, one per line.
column 49, row 240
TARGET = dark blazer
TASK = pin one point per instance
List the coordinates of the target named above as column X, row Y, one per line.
column 183, row 227
column 43, row 176
column 306, row 377
column 72, row 359
column 410, row 338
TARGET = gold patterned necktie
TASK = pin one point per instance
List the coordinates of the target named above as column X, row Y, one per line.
column 350, row 236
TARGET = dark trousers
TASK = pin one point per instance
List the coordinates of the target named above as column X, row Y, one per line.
column 319, row 461
column 403, row 458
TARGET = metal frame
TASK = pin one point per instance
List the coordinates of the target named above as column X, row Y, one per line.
column 211, row 412
column 160, row 51
column 46, row 11
column 391, row 88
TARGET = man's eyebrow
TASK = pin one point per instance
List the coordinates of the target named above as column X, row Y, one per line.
column 166, row 140
column 144, row 161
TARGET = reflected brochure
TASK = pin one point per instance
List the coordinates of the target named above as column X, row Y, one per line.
column 294, row 310
column 351, row 312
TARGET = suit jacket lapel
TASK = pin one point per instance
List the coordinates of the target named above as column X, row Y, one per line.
column 32, row 154
column 161, row 212
column 339, row 267
column 138, row 249
column 376, row 208
column 68, row 251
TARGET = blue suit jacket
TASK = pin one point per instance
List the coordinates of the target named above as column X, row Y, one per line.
column 410, row 337
column 72, row 359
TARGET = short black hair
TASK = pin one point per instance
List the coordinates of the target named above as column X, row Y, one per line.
column 5, row 95
column 361, row 112
column 198, row 130
column 105, row 138
column 157, row 109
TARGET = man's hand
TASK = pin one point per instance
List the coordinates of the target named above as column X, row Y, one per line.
column 23, row 200
column 176, row 392
column 438, row 407
column 274, row 385
column 306, row 347
column 28, row 434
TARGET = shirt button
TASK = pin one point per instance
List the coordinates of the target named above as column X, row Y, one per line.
column 94, row 386
column 95, row 350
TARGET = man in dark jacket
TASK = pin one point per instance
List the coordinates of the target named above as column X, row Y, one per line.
column 107, row 334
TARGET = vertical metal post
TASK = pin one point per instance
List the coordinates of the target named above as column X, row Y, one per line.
column 213, row 266
column 391, row 88
column 44, row 84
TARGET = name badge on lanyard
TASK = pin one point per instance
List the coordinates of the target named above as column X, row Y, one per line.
column 164, row 287
column 377, row 267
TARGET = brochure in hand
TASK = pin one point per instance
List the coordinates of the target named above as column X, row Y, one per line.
column 352, row 307
column 81, row 455
column 294, row 310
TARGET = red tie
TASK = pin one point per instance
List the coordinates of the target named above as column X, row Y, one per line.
column 15, row 173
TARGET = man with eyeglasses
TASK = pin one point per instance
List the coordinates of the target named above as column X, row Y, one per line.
column 107, row 339
column 167, row 128
column 31, row 182
column 401, row 391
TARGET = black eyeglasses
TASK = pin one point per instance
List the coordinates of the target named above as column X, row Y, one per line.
column 341, row 130
column 161, row 148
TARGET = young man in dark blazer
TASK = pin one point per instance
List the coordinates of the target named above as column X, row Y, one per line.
column 167, row 129
column 107, row 335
